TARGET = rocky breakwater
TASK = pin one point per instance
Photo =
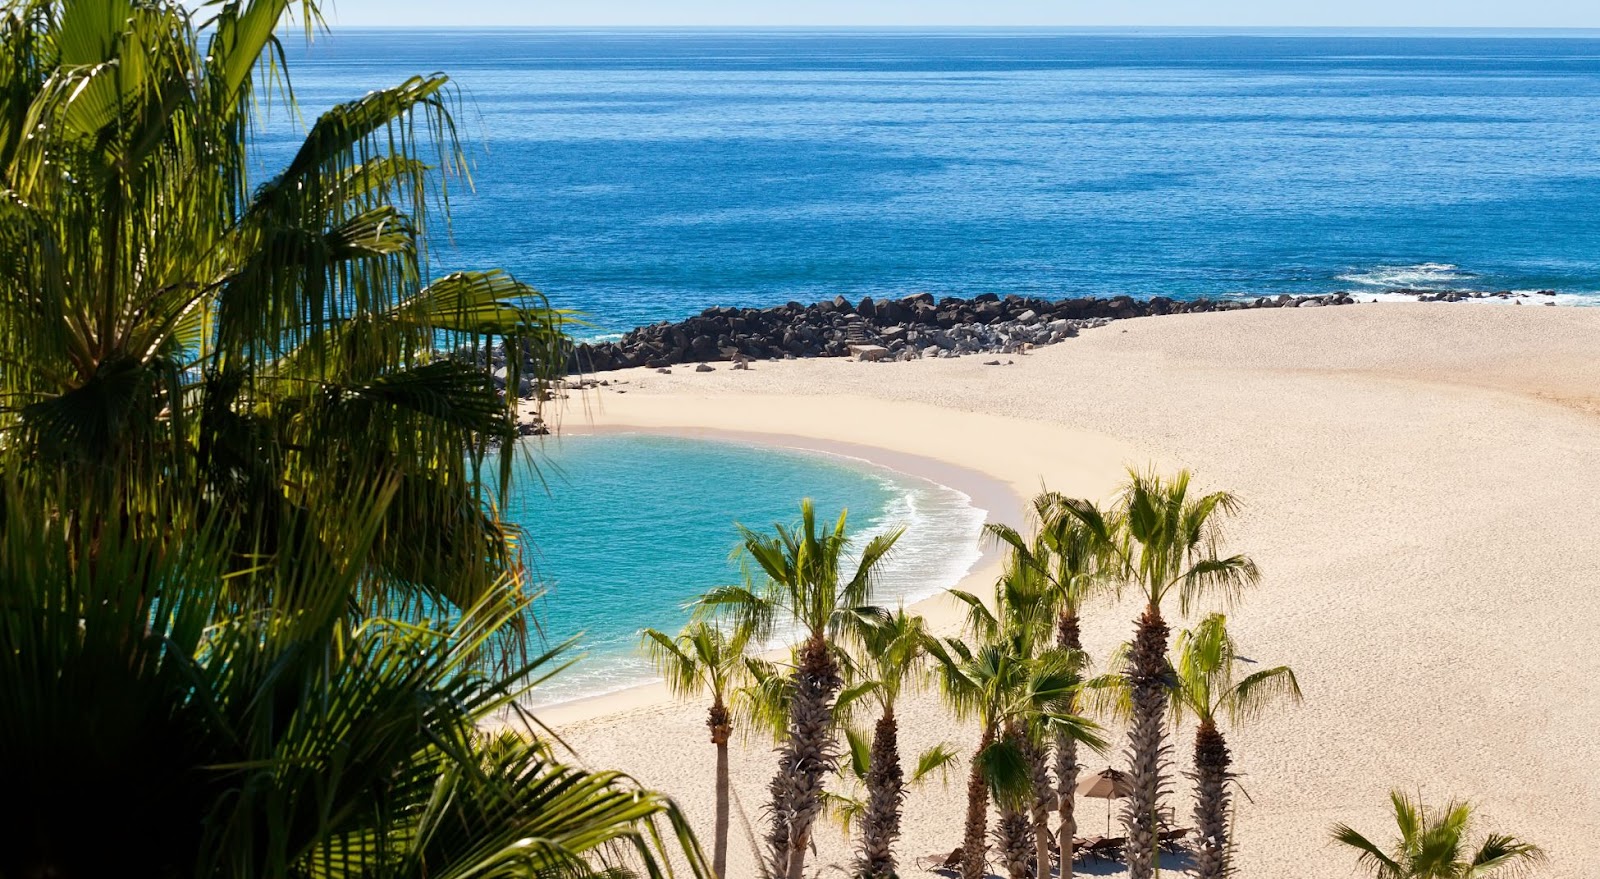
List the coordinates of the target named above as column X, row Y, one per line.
column 889, row 329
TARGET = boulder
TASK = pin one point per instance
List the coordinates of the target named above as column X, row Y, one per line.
column 868, row 352
column 705, row 367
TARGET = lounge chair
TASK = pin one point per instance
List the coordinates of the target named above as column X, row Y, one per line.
column 1172, row 840
column 941, row 861
column 1104, row 848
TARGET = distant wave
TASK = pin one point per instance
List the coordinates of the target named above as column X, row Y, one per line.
column 1420, row 276
column 1378, row 282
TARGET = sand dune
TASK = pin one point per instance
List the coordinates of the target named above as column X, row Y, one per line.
column 1423, row 498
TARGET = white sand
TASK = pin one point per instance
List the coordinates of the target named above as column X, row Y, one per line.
column 1423, row 499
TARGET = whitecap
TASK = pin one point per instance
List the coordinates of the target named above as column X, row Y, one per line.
column 1417, row 276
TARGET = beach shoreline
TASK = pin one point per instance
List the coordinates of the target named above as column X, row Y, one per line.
column 1000, row 502
column 1419, row 491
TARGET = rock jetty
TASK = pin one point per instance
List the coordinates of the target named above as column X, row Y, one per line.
column 889, row 329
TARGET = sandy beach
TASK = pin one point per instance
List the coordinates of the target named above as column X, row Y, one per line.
column 1422, row 497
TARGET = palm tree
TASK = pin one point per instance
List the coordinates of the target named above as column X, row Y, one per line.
column 1165, row 542
column 255, row 600
column 179, row 340
column 1207, row 690
column 1009, row 689
column 805, row 584
column 1074, row 560
column 1433, row 845
column 210, row 727
column 892, row 652
column 852, row 810
column 705, row 659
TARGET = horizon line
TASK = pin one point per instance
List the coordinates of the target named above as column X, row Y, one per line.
column 1593, row 29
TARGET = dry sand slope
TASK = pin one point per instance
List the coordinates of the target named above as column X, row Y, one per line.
column 1423, row 489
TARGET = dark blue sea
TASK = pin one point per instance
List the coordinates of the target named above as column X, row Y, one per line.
column 642, row 175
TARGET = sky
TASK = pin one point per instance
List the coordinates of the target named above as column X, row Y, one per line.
column 968, row 13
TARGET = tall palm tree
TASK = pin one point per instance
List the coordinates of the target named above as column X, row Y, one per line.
column 1008, row 688
column 1206, row 690
column 1433, row 845
column 703, row 659
column 851, row 809
column 892, row 651
column 805, row 584
column 1167, row 542
column 1075, row 561
column 181, row 340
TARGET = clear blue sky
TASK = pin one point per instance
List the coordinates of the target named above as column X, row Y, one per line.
column 971, row 13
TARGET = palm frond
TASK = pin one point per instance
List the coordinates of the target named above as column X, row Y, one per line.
column 1005, row 769
column 1258, row 691
column 938, row 758
column 1370, row 856
column 1503, row 855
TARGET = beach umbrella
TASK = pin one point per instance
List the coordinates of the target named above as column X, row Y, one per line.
column 1108, row 785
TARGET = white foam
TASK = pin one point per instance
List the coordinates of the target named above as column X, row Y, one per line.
column 939, row 547
column 1523, row 297
column 1418, row 276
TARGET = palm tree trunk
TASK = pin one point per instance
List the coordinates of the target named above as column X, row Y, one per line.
column 880, row 826
column 721, row 729
column 1069, row 637
column 804, row 760
column 1211, row 762
column 1014, row 842
column 1044, row 799
column 1150, row 678
column 973, row 846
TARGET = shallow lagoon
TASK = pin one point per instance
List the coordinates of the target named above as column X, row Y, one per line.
column 623, row 529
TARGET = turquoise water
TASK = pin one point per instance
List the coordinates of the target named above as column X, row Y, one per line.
column 644, row 175
column 633, row 526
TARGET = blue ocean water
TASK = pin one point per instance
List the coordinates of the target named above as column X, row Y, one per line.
column 643, row 175
column 624, row 529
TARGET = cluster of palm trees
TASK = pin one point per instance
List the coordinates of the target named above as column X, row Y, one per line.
column 1018, row 671
column 257, row 609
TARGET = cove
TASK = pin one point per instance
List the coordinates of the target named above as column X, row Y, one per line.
column 621, row 530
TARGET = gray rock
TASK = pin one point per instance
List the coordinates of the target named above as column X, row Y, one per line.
column 1310, row 303
column 705, row 367
column 868, row 352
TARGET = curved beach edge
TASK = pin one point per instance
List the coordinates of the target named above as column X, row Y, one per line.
column 1419, row 490
column 1013, row 459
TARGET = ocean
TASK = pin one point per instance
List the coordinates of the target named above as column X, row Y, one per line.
column 624, row 530
column 641, row 176
column 645, row 175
